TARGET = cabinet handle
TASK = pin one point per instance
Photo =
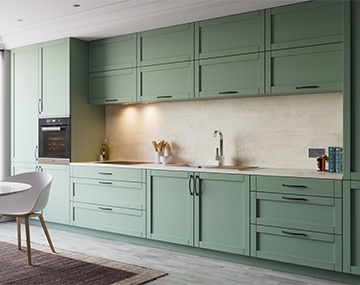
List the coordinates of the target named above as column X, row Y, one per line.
column 307, row 87
column 105, row 209
column 227, row 92
column 294, row 186
column 163, row 97
column 111, row 100
column 105, row 182
column 105, row 173
column 197, row 182
column 191, row 179
column 294, row 199
column 36, row 153
column 294, row 234
column 39, row 106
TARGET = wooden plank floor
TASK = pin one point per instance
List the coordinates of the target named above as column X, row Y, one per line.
column 183, row 269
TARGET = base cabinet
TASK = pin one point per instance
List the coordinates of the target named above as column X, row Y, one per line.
column 108, row 199
column 199, row 209
column 297, row 220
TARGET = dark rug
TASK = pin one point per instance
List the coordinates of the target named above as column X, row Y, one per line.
column 66, row 268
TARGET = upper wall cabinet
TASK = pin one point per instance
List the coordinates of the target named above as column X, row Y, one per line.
column 304, row 24
column 112, row 53
column 173, row 44
column 231, row 35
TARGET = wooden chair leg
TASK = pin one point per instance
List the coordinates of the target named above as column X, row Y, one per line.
column 27, row 230
column 46, row 232
column 18, row 225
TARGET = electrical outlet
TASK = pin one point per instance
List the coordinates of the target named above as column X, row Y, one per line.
column 316, row 152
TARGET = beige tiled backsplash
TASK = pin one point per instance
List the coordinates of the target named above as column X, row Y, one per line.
column 273, row 131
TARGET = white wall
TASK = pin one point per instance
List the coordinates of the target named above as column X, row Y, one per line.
column 273, row 131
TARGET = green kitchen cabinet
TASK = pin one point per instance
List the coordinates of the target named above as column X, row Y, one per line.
column 297, row 220
column 304, row 24
column 232, row 35
column 108, row 199
column 199, row 209
column 112, row 53
column 110, row 87
column 351, row 219
column 24, row 104
column 174, row 81
column 58, row 207
column 166, row 45
column 304, row 70
column 230, row 76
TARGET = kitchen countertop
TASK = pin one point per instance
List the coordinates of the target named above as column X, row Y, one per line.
column 304, row 173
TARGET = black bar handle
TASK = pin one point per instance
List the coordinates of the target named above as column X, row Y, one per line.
column 227, row 92
column 111, row 100
column 307, row 87
column 191, row 179
column 105, row 209
column 197, row 182
column 294, row 199
column 105, row 182
column 105, row 173
column 164, row 97
column 294, row 234
column 294, row 186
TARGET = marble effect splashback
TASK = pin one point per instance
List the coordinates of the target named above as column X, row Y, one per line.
column 273, row 131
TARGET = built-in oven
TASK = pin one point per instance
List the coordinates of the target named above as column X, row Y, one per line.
column 54, row 140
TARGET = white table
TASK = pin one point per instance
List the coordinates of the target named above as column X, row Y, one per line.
column 7, row 187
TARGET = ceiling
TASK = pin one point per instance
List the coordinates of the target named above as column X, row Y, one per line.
column 33, row 21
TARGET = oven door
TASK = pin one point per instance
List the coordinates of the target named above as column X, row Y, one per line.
column 54, row 144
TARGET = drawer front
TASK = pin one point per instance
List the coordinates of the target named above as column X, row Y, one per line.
column 108, row 173
column 110, row 219
column 298, row 247
column 320, row 214
column 298, row 186
column 114, row 193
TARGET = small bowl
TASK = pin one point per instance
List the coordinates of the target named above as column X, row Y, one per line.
column 166, row 159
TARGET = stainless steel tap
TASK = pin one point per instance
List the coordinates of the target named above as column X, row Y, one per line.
column 219, row 157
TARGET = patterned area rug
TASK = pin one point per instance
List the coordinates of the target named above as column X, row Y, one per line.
column 66, row 268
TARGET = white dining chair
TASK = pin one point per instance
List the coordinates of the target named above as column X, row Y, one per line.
column 27, row 204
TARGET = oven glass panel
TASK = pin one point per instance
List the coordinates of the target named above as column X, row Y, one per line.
column 54, row 144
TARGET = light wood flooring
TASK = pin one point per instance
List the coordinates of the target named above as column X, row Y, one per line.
column 183, row 269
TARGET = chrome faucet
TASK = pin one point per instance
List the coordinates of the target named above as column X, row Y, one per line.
column 219, row 157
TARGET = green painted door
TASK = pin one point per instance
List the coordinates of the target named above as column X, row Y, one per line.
column 24, row 104
column 109, row 87
column 173, row 81
column 222, row 212
column 239, row 34
column 55, row 78
column 230, row 76
column 351, row 219
column 170, row 206
column 303, row 70
column 166, row 45
column 58, row 207
column 304, row 24
column 112, row 53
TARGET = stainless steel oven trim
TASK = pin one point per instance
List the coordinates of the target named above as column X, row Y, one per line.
column 49, row 160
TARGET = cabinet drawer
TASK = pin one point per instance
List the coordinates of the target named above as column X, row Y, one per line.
column 110, row 219
column 112, row 53
column 311, row 23
column 230, row 76
column 320, row 214
column 298, row 186
column 304, row 70
column 166, row 82
column 165, row 45
column 112, row 86
column 298, row 247
column 230, row 35
column 108, row 192
column 108, row 173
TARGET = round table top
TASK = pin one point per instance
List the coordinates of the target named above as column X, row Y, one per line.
column 7, row 187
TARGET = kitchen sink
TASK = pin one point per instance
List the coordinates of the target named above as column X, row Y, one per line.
column 124, row 162
column 239, row 167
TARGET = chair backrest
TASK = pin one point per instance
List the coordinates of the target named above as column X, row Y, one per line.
column 32, row 200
